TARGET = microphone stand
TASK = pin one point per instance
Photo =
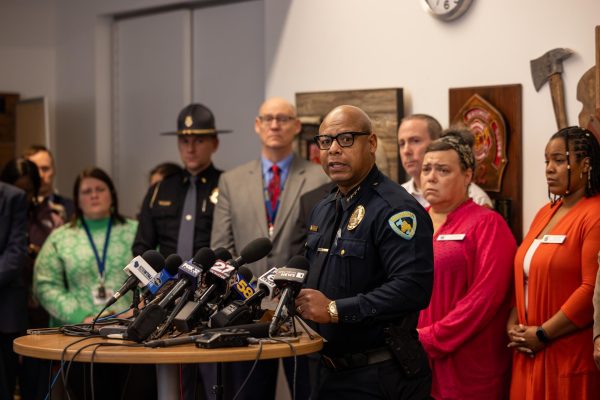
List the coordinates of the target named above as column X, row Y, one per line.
column 135, row 301
column 182, row 300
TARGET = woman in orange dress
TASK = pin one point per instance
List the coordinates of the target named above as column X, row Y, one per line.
column 550, row 329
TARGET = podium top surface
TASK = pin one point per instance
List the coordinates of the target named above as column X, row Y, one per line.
column 50, row 347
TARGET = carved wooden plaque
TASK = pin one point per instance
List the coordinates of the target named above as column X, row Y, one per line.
column 384, row 107
column 507, row 99
column 487, row 125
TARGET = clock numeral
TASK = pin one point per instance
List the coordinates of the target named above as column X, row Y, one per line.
column 446, row 4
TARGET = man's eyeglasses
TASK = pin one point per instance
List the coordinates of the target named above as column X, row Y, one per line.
column 344, row 139
column 281, row 119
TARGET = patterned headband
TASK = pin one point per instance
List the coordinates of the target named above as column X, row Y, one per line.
column 465, row 153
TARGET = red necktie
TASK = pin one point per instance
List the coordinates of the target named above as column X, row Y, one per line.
column 274, row 188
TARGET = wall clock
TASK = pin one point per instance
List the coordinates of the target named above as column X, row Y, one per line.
column 446, row 10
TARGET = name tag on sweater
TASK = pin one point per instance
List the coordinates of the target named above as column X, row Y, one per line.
column 559, row 239
column 452, row 237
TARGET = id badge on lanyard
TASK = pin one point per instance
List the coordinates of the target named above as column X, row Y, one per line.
column 100, row 293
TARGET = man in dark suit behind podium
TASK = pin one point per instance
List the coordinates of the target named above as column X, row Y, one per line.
column 13, row 293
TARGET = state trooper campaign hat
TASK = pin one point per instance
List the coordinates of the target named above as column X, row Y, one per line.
column 196, row 119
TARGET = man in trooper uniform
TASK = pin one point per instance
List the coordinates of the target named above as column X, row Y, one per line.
column 177, row 213
column 371, row 271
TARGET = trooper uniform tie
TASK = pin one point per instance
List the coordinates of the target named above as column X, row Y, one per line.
column 185, row 240
column 273, row 191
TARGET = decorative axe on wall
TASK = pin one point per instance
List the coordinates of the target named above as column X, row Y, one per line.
column 549, row 68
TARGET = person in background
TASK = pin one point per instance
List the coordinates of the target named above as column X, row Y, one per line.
column 414, row 135
column 80, row 266
column 371, row 271
column 33, row 372
column 473, row 251
column 177, row 212
column 261, row 198
column 550, row 329
column 57, row 209
column 13, row 291
column 162, row 171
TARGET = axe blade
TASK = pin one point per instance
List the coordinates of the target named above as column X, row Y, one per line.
column 548, row 64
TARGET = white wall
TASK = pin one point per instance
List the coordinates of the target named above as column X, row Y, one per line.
column 27, row 51
column 313, row 45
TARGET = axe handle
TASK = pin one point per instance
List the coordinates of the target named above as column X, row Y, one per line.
column 558, row 100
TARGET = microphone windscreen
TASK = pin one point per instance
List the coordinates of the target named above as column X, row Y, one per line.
column 155, row 259
column 172, row 263
column 255, row 250
column 223, row 254
column 205, row 257
column 245, row 273
column 298, row 262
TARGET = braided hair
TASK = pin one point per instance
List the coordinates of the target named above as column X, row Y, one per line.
column 582, row 143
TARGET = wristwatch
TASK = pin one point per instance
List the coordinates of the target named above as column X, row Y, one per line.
column 542, row 335
column 333, row 312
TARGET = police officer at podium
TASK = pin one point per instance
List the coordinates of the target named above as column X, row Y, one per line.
column 371, row 271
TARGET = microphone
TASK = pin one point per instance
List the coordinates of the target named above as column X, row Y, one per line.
column 222, row 271
column 188, row 275
column 168, row 273
column 242, row 288
column 240, row 312
column 221, row 253
column 290, row 279
column 217, row 279
column 141, row 270
column 155, row 313
column 267, row 284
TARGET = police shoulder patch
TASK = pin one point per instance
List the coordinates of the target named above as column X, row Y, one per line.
column 404, row 224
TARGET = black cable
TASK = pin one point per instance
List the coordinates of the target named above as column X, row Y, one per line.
column 62, row 364
column 295, row 363
column 260, row 344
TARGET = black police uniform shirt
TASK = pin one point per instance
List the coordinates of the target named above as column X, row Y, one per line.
column 377, row 264
column 160, row 216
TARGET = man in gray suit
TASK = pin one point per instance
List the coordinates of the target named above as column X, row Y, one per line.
column 246, row 209
column 261, row 199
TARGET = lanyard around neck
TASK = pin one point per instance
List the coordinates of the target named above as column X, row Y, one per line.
column 101, row 262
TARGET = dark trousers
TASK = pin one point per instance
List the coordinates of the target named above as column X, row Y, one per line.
column 112, row 381
column 261, row 384
column 382, row 381
column 9, row 365
column 34, row 378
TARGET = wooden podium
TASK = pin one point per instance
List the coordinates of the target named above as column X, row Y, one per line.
column 50, row 347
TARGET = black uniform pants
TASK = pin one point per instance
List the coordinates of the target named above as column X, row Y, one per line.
column 380, row 381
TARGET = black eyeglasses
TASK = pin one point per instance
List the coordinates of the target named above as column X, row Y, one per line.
column 281, row 119
column 344, row 139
